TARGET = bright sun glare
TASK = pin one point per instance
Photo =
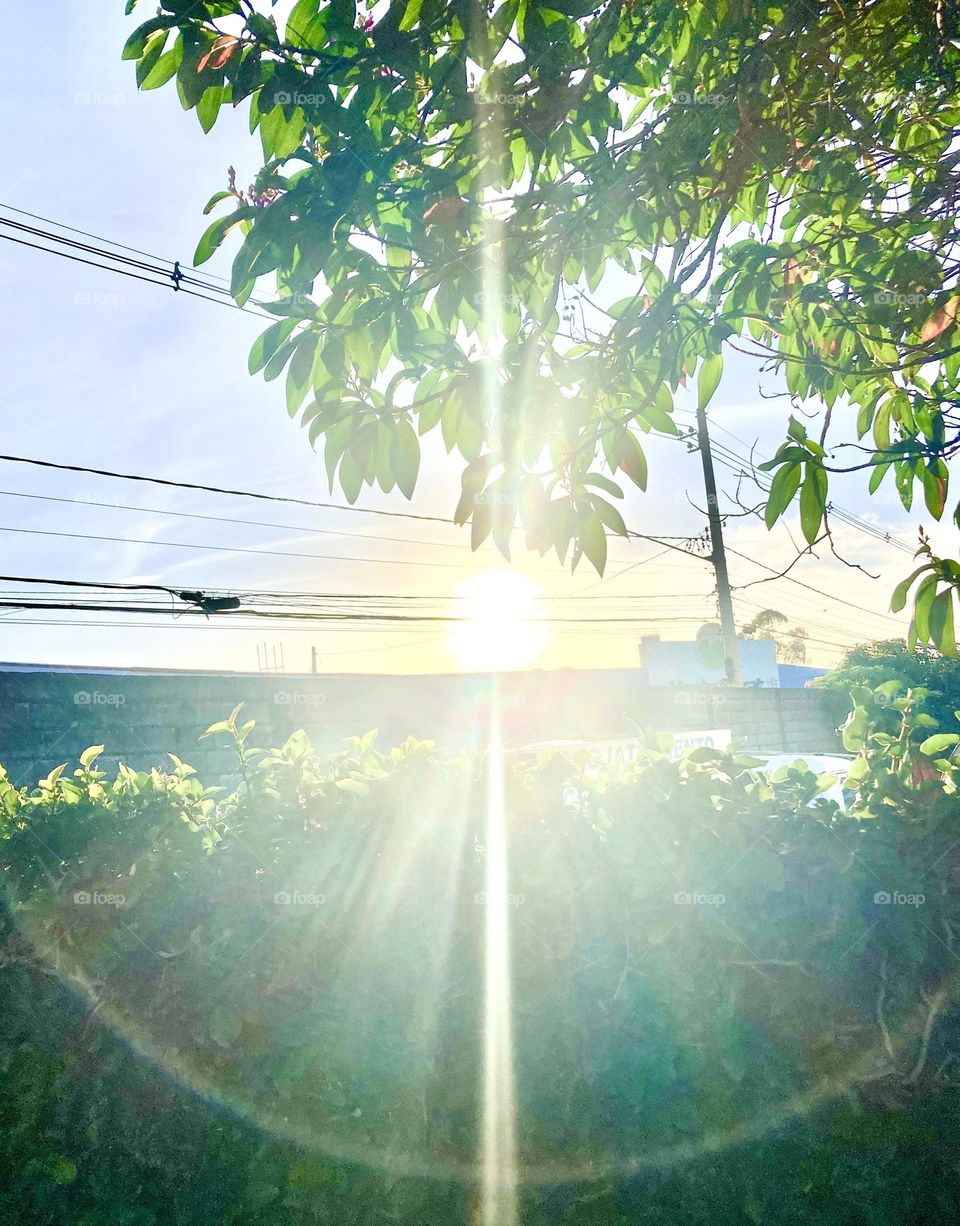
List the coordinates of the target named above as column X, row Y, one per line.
column 500, row 629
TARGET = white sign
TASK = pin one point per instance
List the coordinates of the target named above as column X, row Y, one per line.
column 620, row 752
column 716, row 738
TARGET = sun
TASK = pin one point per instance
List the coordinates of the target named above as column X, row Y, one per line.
column 500, row 627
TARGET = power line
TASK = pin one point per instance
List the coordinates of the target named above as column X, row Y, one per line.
column 21, row 228
column 173, row 278
column 327, row 557
column 812, row 613
column 810, row 588
column 267, row 553
column 306, row 502
column 285, row 615
column 86, row 234
column 846, row 516
column 214, row 489
column 256, row 523
column 731, row 459
column 854, row 638
column 79, row 260
column 226, row 519
column 409, row 629
column 286, row 597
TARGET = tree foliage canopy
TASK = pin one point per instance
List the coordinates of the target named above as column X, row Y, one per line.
column 923, row 670
column 454, row 195
column 791, row 641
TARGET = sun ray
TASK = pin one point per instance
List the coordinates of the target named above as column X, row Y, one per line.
column 499, row 1156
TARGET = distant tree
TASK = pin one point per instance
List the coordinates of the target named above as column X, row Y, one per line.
column 871, row 664
column 791, row 641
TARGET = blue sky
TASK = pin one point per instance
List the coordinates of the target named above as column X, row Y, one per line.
column 106, row 372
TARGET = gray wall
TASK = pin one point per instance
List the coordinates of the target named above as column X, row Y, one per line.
column 50, row 717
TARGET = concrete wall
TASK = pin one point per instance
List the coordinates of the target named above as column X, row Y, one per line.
column 49, row 717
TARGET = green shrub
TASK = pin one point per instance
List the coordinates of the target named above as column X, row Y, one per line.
column 267, row 1004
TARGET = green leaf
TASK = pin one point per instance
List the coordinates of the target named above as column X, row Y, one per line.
column 942, row 632
column 782, row 489
column 480, row 525
column 813, row 502
column 300, row 370
column 709, row 379
column 301, row 21
column 214, row 200
column 934, row 491
column 62, row 1170
column 264, row 29
column 405, row 457
column 164, row 69
column 935, row 745
column 411, row 15
column 855, row 729
column 631, row 459
column 209, row 106
column 90, row 755
column 383, row 460
column 214, row 235
column 267, row 344
column 593, row 540
column 351, row 477
column 877, row 476
column 610, row 515
column 603, row 483
column 136, row 44
column 922, row 606
column 899, row 598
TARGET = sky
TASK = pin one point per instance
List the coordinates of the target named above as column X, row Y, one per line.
column 103, row 371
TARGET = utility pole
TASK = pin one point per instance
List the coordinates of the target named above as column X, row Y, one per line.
column 728, row 627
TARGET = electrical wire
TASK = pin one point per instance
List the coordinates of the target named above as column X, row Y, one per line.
column 284, row 615
column 255, row 523
column 286, row 597
column 173, row 278
column 306, row 502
